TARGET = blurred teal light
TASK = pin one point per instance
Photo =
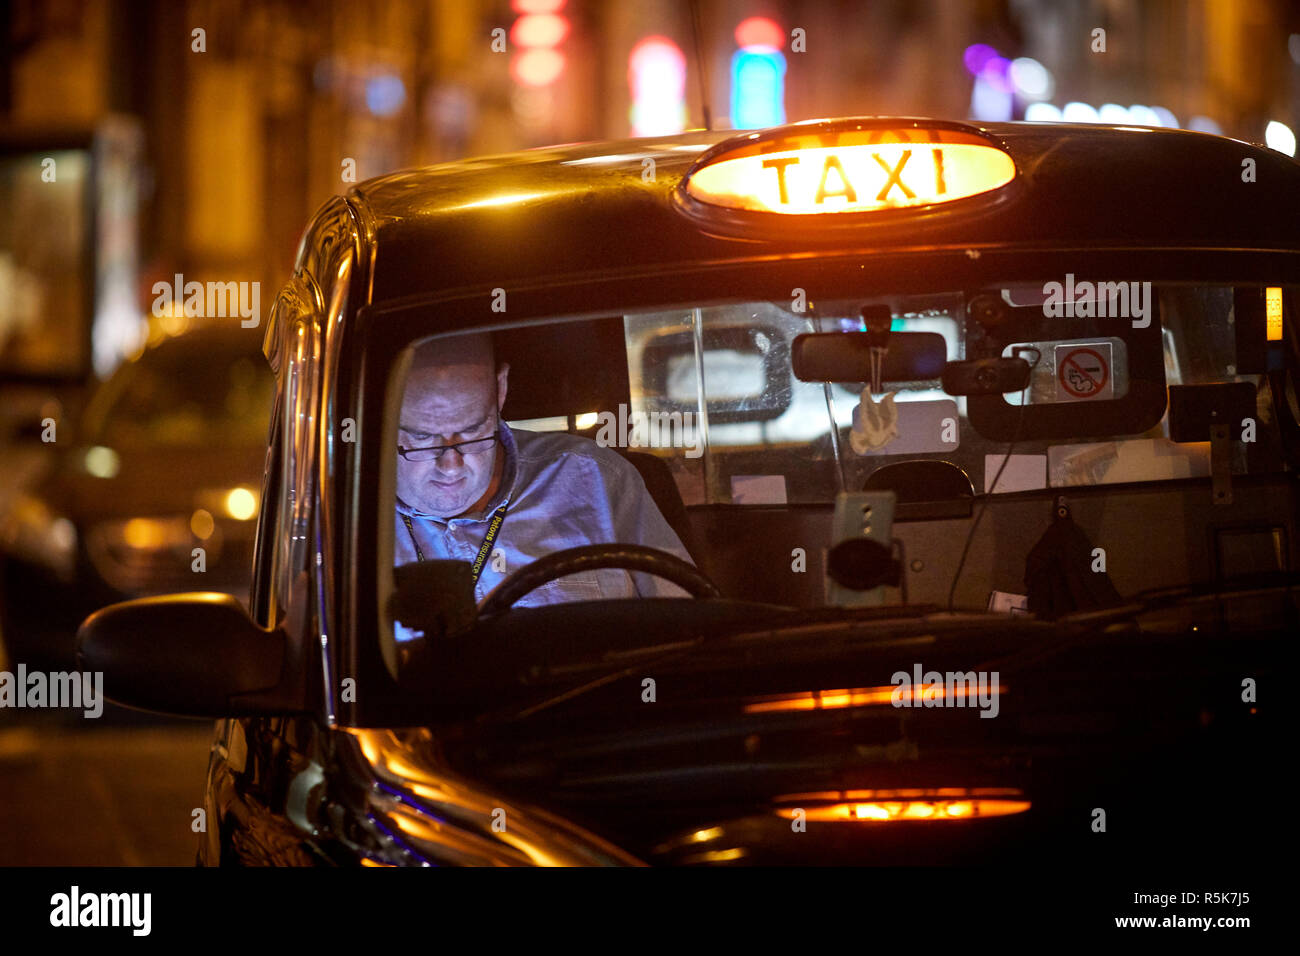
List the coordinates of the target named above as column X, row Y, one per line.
column 757, row 88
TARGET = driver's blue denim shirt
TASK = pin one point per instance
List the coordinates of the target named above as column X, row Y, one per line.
column 564, row 492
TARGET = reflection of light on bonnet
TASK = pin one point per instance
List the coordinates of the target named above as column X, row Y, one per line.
column 885, row 806
column 864, row 697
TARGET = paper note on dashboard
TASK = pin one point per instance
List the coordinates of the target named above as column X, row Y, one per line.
column 1022, row 473
column 758, row 489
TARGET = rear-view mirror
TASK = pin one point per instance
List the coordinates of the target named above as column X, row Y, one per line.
column 846, row 356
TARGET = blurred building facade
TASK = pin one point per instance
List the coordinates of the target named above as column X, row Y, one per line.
column 257, row 112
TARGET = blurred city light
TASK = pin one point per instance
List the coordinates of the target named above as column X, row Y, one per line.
column 1043, row 113
column 1280, row 137
column 759, row 32
column 757, row 88
column 1076, row 112
column 1030, row 79
column 202, row 524
column 657, row 75
column 537, row 67
column 996, row 73
column 533, row 106
column 976, row 56
column 1165, row 117
column 102, row 462
column 241, row 504
column 1203, row 124
column 536, row 6
column 1140, row 115
column 538, row 32
column 1000, row 82
column 1113, row 113
column 990, row 99
column 385, row 94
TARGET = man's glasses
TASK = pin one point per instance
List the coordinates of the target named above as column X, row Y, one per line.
column 472, row 447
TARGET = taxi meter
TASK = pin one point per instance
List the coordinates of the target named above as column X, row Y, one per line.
column 853, row 170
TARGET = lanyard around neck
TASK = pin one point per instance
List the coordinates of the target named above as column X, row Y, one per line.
column 494, row 526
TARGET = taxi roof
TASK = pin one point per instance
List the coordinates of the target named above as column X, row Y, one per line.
column 591, row 208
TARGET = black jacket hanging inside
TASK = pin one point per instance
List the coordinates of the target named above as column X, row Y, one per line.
column 1058, row 571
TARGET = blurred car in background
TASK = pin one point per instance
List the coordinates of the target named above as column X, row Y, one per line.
column 165, row 461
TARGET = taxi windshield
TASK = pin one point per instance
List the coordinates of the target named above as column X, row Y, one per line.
column 724, row 433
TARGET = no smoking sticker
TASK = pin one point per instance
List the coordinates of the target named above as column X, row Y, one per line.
column 1083, row 372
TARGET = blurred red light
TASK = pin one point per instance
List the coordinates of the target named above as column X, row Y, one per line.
column 536, row 6
column 537, row 67
column 759, row 31
column 539, row 30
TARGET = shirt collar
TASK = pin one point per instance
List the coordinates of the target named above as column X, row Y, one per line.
column 509, row 475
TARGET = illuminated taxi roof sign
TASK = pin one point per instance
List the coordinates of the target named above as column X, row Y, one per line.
column 847, row 167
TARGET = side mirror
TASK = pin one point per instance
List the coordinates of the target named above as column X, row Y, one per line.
column 987, row 376
column 193, row 655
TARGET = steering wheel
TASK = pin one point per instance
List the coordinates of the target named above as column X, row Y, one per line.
column 629, row 557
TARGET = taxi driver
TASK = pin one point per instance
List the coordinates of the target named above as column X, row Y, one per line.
column 470, row 487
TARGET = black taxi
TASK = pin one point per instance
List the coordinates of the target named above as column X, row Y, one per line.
column 871, row 491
